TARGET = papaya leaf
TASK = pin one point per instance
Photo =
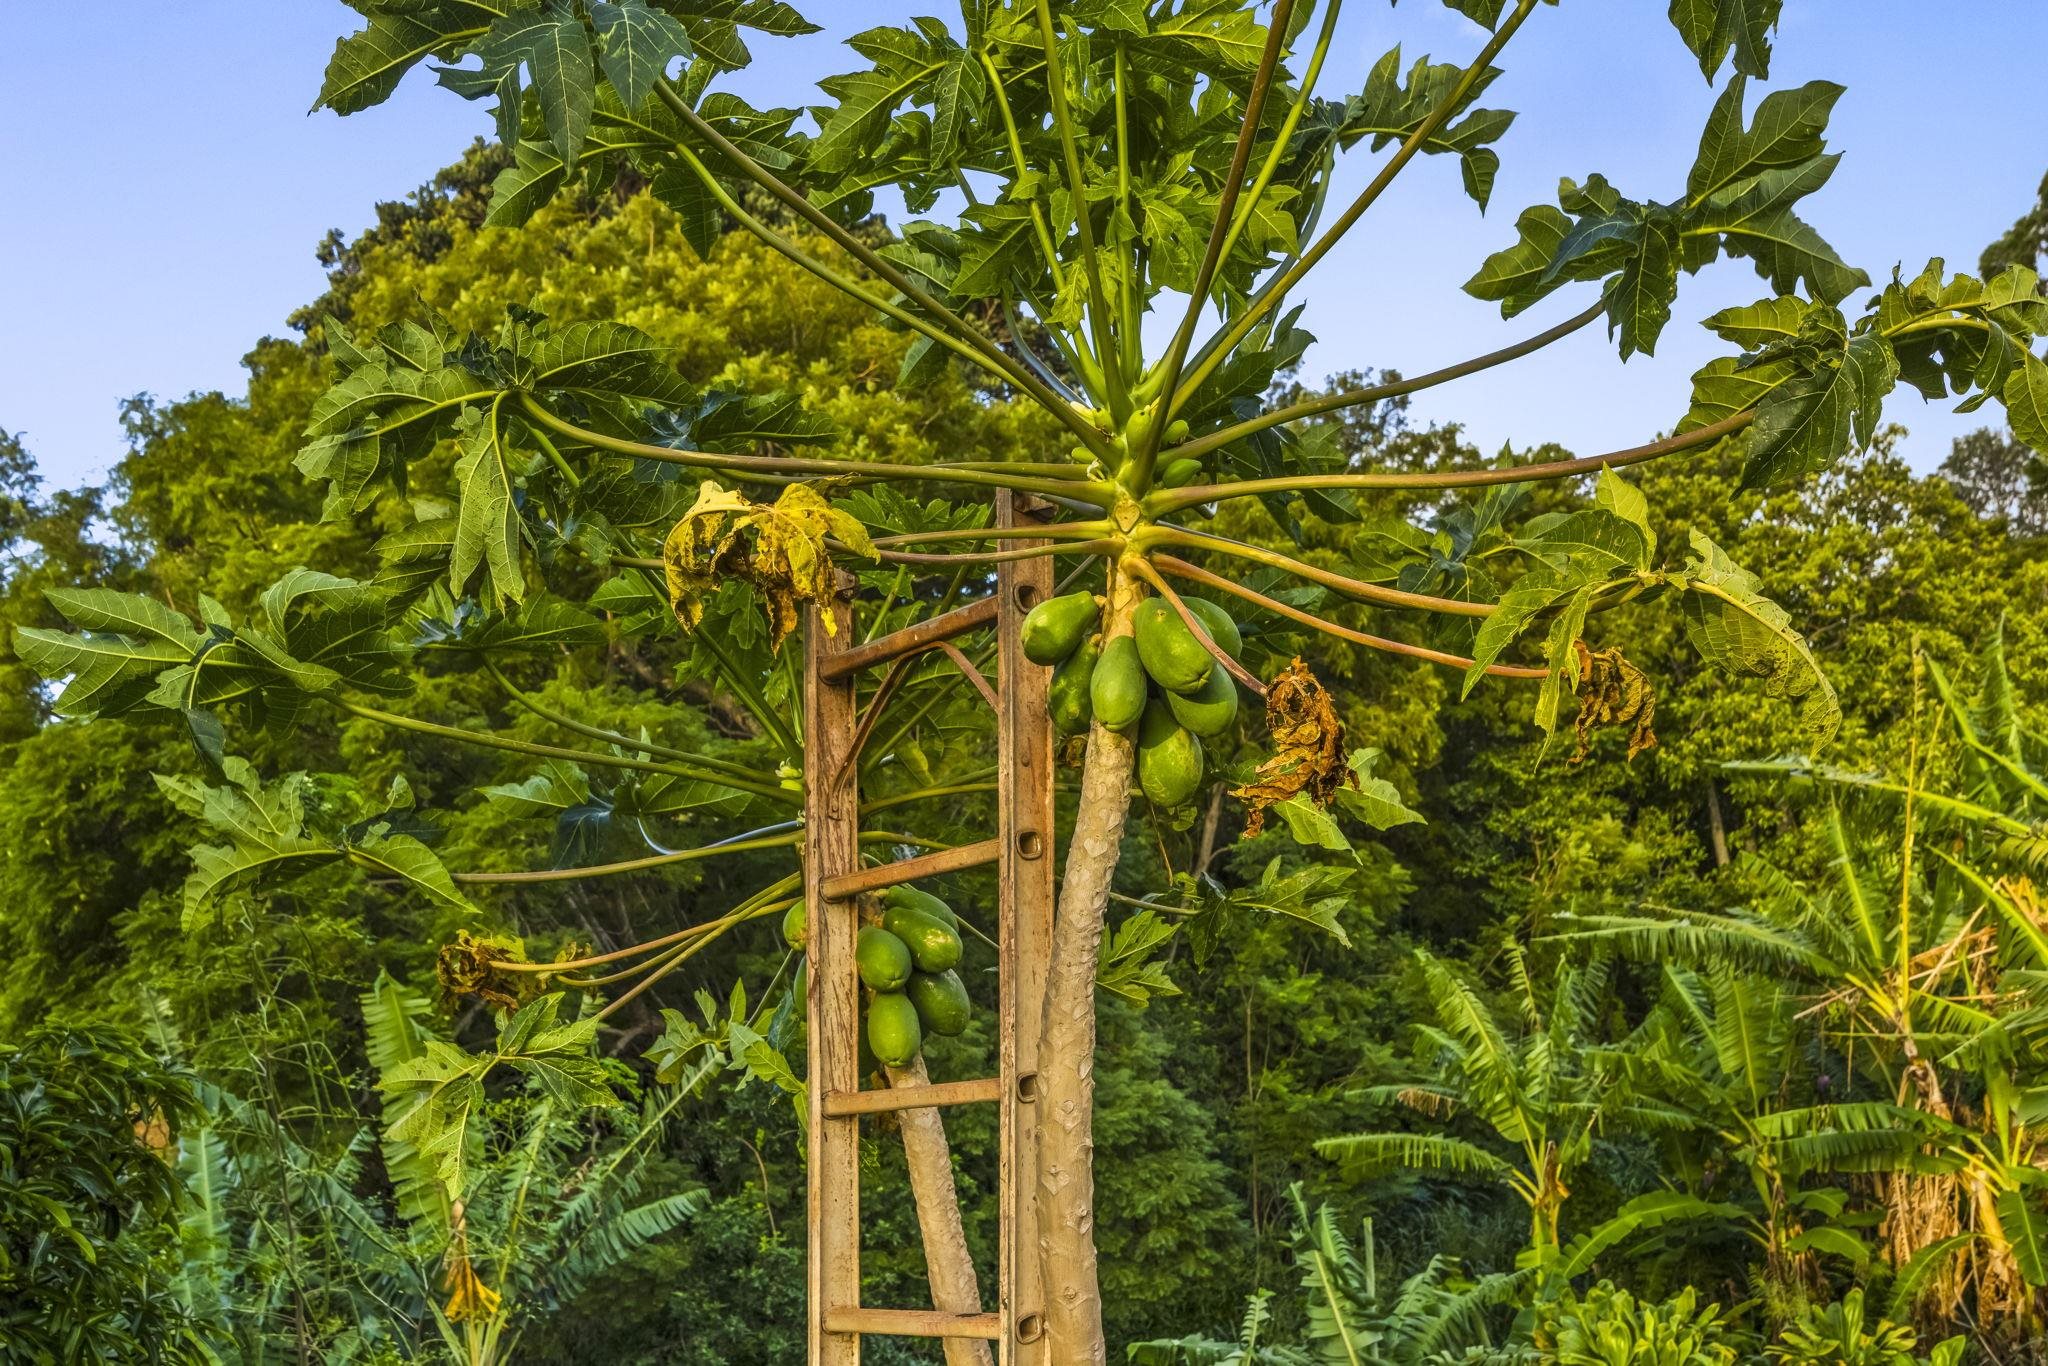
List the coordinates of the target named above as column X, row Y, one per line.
column 382, row 852
column 368, row 65
column 1128, row 968
column 2026, row 402
column 552, row 47
column 124, row 642
column 636, row 44
column 1375, row 801
column 430, row 1100
column 1805, row 425
column 543, row 625
column 908, row 64
column 1315, row 895
column 1714, row 29
column 524, row 188
column 267, row 836
column 1387, row 111
column 1737, row 629
column 1757, row 325
column 487, row 526
column 1787, row 131
column 1618, row 498
column 1310, row 825
column 702, row 221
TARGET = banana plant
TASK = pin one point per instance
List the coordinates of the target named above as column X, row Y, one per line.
column 1346, row 1319
column 1936, row 954
column 1073, row 171
column 1724, row 1046
column 1530, row 1078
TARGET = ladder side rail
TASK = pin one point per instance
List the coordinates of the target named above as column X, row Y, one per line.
column 831, row 849
column 1025, row 913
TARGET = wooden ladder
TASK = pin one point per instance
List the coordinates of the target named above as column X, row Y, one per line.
column 834, row 732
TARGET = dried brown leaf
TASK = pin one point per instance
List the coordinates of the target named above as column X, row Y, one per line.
column 468, row 966
column 1613, row 692
column 1308, row 742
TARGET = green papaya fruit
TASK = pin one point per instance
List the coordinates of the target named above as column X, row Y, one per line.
column 893, row 1030
column 1169, row 758
column 941, row 1001
column 883, row 958
column 917, row 899
column 1171, row 654
column 1067, row 695
column 934, row 945
column 1056, row 627
column 796, row 930
column 1211, row 708
column 1217, row 621
column 1116, row 692
column 1178, row 473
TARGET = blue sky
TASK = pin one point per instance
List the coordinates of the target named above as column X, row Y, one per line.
column 168, row 189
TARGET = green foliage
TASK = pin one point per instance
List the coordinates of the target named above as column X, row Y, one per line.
column 1609, row 1327
column 510, row 408
column 1841, row 1334
column 89, row 1201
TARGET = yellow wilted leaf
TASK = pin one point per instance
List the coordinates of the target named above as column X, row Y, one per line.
column 1309, row 747
column 1614, row 692
column 778, row 548
column 468, row 1296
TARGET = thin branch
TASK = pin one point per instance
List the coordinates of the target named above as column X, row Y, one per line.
column 1241, row 327
column 1136, row 564
column 1103, row 547
column 1045, row 243
column 881, row 267
column 1226, row 209
column 1090, row 491
column 1181, row 569
column 1326, row 403
column 1250, row 203
column 1077, row 191
column 487, row 740
column 569, row 723
column 1169, row 500
column 1129, row 337
column 1355, row 588
column 905, row 798
column 1052, row 530
column 636, row 865
column 839, row 281
column 743, row 912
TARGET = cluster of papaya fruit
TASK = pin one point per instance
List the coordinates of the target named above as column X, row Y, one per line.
column 1160, row 678
column 908, row 964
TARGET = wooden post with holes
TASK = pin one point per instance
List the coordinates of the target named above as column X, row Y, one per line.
column 1022, row 851
column 1024, row 779
column 831, row 849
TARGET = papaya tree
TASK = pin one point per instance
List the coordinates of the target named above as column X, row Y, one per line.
column 1074, row 171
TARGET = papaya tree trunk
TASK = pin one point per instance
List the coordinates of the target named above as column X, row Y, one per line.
column 1066, row 1173
column 955, row 1287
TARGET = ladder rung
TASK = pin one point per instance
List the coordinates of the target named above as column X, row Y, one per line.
column 840, row 1103
column 957, row 622
column 911, row 869
column 914, row 1323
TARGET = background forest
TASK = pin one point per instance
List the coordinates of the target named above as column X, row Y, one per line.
column 1745, row 1034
